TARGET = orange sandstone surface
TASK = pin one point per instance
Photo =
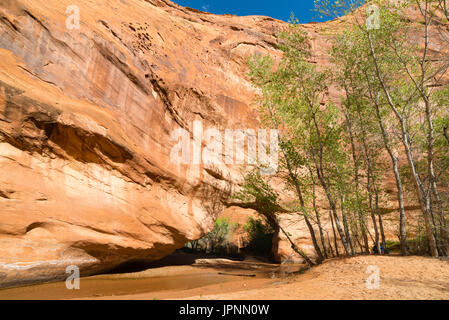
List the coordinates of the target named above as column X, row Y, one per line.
column 86, row 123
column 86, row 117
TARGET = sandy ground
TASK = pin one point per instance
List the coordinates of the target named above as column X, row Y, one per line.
column 344, row 279
column 401, row 278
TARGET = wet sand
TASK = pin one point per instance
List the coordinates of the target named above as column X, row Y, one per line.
column 191, row 276
column 401, row 278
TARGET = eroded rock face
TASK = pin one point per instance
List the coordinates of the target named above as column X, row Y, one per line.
column 86, row 117
column 85, row 123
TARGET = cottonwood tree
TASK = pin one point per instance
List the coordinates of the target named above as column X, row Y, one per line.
column 293, row 100
column 364, row 127
column 410, row 77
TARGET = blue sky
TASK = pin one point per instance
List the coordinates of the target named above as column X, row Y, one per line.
column 279, row 9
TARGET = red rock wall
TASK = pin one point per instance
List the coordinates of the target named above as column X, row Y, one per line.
column 85, row 123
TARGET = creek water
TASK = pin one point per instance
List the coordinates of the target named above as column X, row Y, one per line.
column 172, row 278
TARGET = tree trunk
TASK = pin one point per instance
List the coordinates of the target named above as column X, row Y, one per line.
column 444, row 232
column 335, row 234
column 317, row 214
column 442, row 236
column 303, row 208
column 330, row 245
column 345, row 225
column 362, row 221
column 306, row 219
column 296, row 249
column 373, row 214
column 397, row 176
column 319, row 168
column 371, row 181
column 422, row 197
column 379, row 215
column 343, row 238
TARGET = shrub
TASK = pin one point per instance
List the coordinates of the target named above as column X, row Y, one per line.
column 415, row 246
column 260, row 236
column 217, row 241
column 220, row 235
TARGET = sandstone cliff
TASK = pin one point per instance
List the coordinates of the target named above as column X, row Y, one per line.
column 86, row 117
column 85, row 122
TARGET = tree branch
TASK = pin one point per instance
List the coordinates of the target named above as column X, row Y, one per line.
column 446, row 135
